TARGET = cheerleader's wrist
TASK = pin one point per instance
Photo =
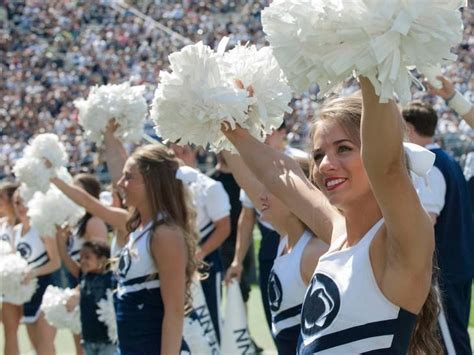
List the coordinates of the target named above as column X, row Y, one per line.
column 459, row 104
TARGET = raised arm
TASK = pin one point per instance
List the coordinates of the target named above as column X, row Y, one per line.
column 116, row 217
column 454, row 99
column 409, row 228
column 61, row 239
column 284, row 178
column 115, row 153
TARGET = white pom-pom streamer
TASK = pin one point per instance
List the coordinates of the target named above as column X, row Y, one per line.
column 271, row 94
column 46, row 211
column 193, row 100
column 33, row 173
column 26, row 193
column 47, row 146
column 106, row 313
column 12, row 270
column 382, row 40
column 123, row 102
column 54, row 308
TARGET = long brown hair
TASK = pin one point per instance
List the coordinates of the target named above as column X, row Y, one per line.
column 169, row 198
column 347, row 113
column 92, row 186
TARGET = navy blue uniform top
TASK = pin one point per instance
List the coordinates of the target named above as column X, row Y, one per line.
column 454, row 229
column 94, row 288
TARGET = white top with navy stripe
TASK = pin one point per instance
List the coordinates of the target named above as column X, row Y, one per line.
column 74, row 245
column 6, row 232
column 345, row 312
column 286, row 288
column 30, row 246
column 137, row 270
column 211, row 202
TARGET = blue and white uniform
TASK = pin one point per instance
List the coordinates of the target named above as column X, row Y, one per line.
column 286, row 290
column 345, row 312
column 212, row 204
column 139, row 306
column 31, row 248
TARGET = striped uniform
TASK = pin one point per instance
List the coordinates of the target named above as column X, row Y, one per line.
column 345, row 312
column 212, row 204
column 31, row 248
column 286, row 290
column 139, row 306
column 74, row 245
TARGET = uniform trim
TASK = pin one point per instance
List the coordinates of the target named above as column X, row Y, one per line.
column 140, row 279
column 287, row 313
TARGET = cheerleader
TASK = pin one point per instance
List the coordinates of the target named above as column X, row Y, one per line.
column 297, row 255
column 10, row 314
column 88, row 228
column 43, row 259
column 372, row 291
column 157, row 263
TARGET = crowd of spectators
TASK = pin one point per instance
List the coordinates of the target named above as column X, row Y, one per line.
column 53, row 51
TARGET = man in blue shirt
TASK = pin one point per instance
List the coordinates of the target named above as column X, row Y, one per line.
column 446, row 198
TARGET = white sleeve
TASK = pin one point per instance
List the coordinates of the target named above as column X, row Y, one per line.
column 432, row 190
column 217, row 202
column 244, row 198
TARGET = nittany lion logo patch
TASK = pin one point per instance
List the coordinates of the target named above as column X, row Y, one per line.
column 24, row 250
column 125, row 262
column 320, row 307
column 275, row 292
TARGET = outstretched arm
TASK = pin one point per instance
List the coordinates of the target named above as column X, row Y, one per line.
column 116, row 217
column 115, row 153
column 71, row 265
column 284, row 178
column 409, row 228
column 454, row 99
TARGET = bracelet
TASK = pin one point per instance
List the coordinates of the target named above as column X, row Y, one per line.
column 459, row 104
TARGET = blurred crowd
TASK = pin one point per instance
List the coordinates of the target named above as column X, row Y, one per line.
column 53, row 51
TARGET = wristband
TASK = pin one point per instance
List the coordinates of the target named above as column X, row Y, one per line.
column 459, row 104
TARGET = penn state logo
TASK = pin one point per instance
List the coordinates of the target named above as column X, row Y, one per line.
column 124, row 263
column 321, row 305
column 275, row 292
column 24, row 250
column 5, row 237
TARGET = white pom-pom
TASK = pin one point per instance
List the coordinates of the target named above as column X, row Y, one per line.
column 46, row 211
column 123, row 102
column 381, row 40
column 33, row 173
column 26, row 193
column 259, row 70
column 54, row 308
column 12, row 270
column 106, row 313
column 47, row 146
column 193, row 100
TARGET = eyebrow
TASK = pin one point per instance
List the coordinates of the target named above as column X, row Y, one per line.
column 339, row 141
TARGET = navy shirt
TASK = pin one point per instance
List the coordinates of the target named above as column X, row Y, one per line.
column 454, row 229
column 94, row 288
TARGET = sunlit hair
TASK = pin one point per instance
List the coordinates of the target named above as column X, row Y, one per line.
column 347, row 113
column 169, row 198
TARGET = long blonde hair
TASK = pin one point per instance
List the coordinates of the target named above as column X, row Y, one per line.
column 347, row 113
column 169, row 198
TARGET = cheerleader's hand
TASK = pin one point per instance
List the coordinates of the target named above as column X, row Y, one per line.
column 446, row 91
column 30, row 275
column 234, row 272
column 111, row 127
column 72, row 302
